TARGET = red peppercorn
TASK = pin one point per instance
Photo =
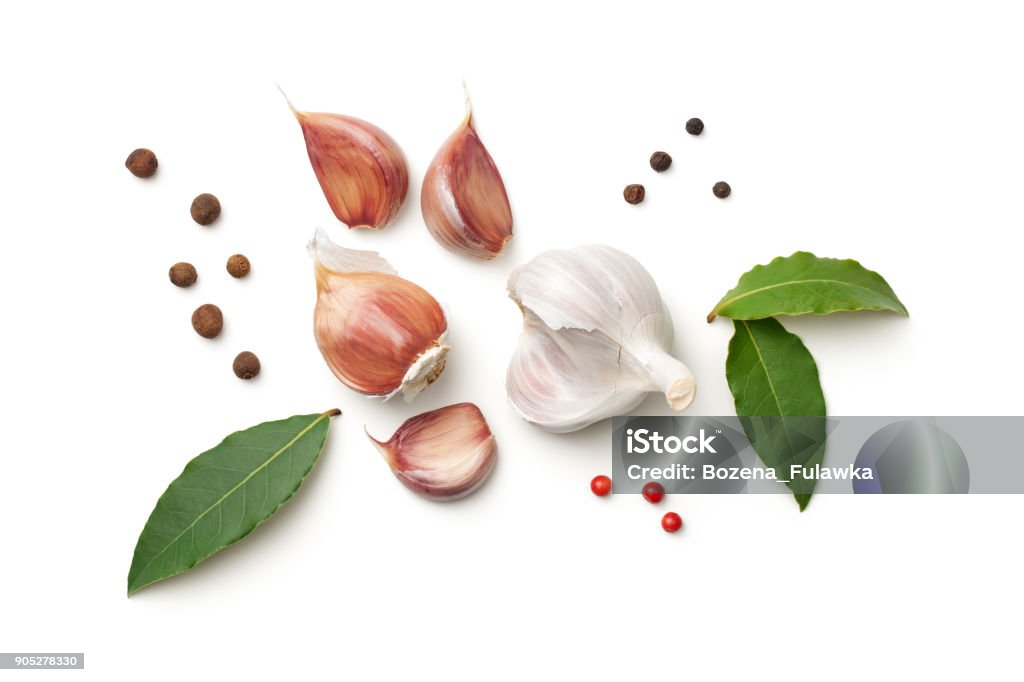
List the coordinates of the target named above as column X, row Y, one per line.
column 601, row 485
column 654, row 492
column 671, row 522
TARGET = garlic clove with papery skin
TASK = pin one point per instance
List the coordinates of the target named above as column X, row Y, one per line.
column 444, row 454
column 560, row 380
column 361, row 169
column 380, row 334
column 463, row 199
column 596, row 339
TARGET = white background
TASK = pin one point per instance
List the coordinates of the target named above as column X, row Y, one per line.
column 886, row 132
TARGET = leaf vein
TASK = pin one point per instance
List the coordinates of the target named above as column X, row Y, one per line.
column 771, row 385
column 218, row 504
column 795, row 282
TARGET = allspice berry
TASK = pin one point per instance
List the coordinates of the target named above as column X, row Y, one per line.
column 634, row 194
column 238, row 266
column 722, row 189
column 205, row 209
column 660, row 161
column 695, row 126
column 142, row 163
column 246, row 365
column 183, row 275
column 208, row 321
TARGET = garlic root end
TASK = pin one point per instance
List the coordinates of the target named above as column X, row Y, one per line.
column 681, row 394
column 674, row 379
column 424, row 371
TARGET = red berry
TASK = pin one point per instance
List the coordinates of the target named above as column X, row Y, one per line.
column 654, row 492
column 601, row 485
column 671, row 522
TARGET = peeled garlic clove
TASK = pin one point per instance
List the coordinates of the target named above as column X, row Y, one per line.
column 444, row 454
column 595, row 340
column 361, row 170
column 463, row 199
column 380, row 334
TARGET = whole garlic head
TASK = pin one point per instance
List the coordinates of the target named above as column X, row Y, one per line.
column 596, row 339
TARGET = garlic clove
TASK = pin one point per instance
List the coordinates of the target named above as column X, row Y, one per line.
column 559, row 380
column 361, row 169
column 591, row 287
column 595, row 340
column 380, row 334
column 463, row 200
column 444, row 454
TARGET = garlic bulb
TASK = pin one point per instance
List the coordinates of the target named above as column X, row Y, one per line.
column 380, row 334
column 444, row 454
column 361, row 170
column 595, row 339
column 463, row 200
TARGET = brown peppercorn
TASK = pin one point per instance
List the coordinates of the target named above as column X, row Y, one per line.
column 695, row 126
column 246, row 365
column 722, row 189
column 142, row 163
column 238, row 266
column 208, row 321
column 183, row 275
column 660, row 161
column 205, row 209
column 634, row 194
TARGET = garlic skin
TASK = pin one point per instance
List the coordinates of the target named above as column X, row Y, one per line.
column 463, row 200
column 444, row 454
column 595, row 340
column 380, row 334
column 361, row 170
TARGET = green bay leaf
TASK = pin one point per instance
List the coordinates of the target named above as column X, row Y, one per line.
column 224, row 493
column 804, row 283
column 774, row 383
